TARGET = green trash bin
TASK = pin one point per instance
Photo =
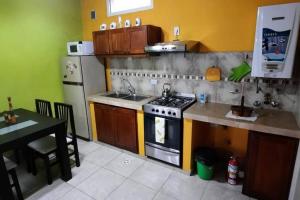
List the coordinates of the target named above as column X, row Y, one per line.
column 205, row 158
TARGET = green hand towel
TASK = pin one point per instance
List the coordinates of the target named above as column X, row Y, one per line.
column 239, row 72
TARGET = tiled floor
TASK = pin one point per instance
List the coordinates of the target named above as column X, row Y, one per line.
column 110, row 173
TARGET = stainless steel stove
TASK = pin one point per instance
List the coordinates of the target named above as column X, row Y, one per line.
column 170, row 109
column 170, row 106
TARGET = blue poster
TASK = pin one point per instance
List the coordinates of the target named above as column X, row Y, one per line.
column 274, row 44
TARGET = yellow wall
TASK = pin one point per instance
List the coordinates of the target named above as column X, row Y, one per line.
column 220, row 25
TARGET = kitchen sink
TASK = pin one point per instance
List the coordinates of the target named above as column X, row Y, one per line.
column 117, row 95
column 135, row 98
column 126, row 96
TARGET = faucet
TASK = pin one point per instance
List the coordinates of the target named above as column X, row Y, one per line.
column 130, row 88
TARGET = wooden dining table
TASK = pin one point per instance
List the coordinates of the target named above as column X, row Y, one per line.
column 29, row 127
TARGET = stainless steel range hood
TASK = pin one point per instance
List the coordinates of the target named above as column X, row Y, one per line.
column 174, row 46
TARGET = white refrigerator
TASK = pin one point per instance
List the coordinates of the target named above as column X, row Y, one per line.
column 82, row 76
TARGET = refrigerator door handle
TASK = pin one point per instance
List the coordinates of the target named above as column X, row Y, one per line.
column 72, row 83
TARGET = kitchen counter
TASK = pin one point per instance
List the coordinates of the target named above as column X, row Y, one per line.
column 135, row 105
column 269, row 121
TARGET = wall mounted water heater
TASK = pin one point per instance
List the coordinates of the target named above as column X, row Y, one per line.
column 276, row 40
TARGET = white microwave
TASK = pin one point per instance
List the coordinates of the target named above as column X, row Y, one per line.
column 80, row 48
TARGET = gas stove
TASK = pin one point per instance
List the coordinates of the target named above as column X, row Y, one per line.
column 169, row 106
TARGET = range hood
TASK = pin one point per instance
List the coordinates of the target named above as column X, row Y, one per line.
column 173, row 46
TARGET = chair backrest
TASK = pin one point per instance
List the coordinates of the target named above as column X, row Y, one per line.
column 65, row 112
column 43, row 107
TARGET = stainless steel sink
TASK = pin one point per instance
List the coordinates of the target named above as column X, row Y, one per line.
column 126, row 96
column 135, row 98
column 117, row 95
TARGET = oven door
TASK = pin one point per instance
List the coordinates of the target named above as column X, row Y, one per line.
column 173, row 132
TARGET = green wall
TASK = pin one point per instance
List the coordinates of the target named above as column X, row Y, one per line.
column 33, row 36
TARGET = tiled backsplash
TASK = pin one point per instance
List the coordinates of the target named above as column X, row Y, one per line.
column 186, row 71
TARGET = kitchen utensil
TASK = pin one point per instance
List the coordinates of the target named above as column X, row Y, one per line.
column 120, row 21
column 113, row 25
column 166, row 90
column 127, row 23
column 257, row 103
column 239, row 72
column 138, row 22
column 213, row 73
column 274, row 104
column 241, row 110
column 102, row 27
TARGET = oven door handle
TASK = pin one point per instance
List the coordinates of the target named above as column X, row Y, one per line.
column 166, row 129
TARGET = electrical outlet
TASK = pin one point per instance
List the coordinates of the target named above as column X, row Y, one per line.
column 176, row 31
column 153, row 81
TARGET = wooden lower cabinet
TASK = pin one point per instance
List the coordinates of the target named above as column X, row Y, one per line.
column 269, row 166
column 117, row 126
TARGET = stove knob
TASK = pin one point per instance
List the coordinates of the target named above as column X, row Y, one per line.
column 174, row 114
column 163, row 112
column 169, row 112
column 157, row 110
column 153, row 109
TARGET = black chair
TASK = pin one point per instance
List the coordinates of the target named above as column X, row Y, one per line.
column 46, row 148
column 11, row 168
column 43, row 107
column 65, row 112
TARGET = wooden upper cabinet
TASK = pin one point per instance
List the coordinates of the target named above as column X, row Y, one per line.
column 119, row 41
column 101, row 42
column 142, row 36
column 126, row 41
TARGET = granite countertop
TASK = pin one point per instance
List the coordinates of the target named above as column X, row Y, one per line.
column 269, row 121
column 135, row 105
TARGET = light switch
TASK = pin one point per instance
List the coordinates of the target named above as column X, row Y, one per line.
column 93, row 15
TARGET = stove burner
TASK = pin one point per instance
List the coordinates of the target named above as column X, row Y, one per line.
column 169, row 106
column 175, row 102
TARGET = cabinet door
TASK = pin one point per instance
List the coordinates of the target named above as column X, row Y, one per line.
column 119, row 41
column 126, row 133
column 270, row 165
column 138, row 39
column 142, row 36
column 105, row 123
column 101, row 42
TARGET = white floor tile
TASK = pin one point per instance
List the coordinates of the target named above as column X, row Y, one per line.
column 184, row 187
column 124, row 164
column 75, row 194
column 131, row 190
column 52, row 192
column 161, row 196
column 81, row 173
column 220, row 192
column 102, row 156
column 103, row 172
column 151, row 175
column 101, row 184
column 225, row 185
column 85, row 147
